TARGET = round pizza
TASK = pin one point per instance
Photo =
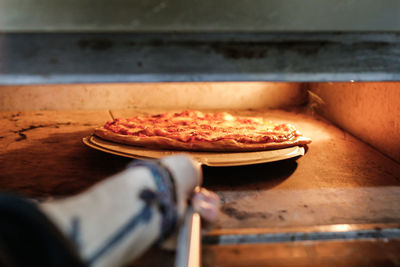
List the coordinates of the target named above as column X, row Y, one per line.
column 201, row 131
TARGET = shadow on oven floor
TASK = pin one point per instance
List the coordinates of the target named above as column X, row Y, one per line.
column 249, row 177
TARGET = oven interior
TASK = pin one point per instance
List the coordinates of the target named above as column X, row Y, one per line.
column 340, row 197
column 336, row 79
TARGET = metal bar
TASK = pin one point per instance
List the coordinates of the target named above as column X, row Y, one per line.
column 195, row 242
column 303, row 229
column 390, row 233
column 189, row 241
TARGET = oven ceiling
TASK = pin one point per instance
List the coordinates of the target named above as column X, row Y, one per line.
column 52, row 41
column 199, row 16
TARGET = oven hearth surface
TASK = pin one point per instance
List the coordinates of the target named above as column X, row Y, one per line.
column 339, row 181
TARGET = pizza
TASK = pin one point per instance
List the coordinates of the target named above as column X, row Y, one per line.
column 201, row 131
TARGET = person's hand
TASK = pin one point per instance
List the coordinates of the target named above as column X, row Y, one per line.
column 206, row 203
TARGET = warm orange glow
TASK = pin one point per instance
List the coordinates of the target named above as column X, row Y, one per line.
column 340, row 227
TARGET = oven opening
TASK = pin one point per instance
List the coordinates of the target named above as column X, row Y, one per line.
column 338, row 192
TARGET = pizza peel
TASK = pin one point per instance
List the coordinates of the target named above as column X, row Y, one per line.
column 214, row 159
column 189, row 236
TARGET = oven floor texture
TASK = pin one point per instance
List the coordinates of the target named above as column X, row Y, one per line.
column 340, row 180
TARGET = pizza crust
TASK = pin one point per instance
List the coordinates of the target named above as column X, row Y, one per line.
column 228, row 145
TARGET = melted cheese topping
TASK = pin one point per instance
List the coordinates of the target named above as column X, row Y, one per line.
column 194, row 126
